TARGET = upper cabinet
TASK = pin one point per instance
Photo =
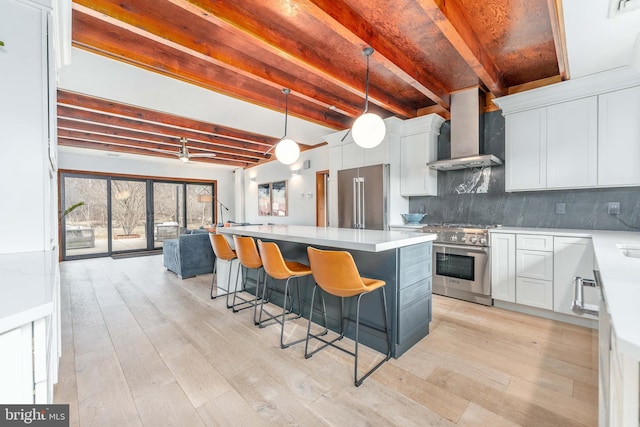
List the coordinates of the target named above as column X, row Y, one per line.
column 418, row 146
column 553, row 147
column 619, row 138
column 572, row 144
column 575, row 134
column 526, row 150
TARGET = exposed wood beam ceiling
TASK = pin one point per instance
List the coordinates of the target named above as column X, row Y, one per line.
column 251, row 49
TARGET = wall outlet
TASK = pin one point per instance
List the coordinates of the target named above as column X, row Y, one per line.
column 561, row 208
column 613, row 208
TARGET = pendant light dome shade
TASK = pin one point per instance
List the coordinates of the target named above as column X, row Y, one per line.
column 368, row 129
column 287, row 151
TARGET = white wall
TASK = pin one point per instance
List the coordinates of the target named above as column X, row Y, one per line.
column 78, row 159
column 301, row 190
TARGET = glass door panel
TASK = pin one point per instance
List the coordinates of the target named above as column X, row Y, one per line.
column 200, row 206
column 128, row 215
column 85, row 227
column 168, row 211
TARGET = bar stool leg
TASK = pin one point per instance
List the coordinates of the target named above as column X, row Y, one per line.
column 284, row 313
column 357, row 381
column 258, row 320
column 250, row 303
column 214, row 279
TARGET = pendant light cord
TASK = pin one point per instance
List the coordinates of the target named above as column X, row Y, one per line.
column 366, row 89
column 286, row 111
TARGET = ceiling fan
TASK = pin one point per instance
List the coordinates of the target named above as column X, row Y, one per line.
column 183, row 153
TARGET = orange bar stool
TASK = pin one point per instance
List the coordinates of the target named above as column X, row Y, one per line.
column 336, row 273
column 277, row 268
column 223, row 251
column 249, row 258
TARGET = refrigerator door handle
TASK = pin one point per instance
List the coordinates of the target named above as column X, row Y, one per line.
column 355, row 202
column 362, row 219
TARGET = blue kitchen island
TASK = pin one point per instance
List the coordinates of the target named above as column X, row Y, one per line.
column 401, row 259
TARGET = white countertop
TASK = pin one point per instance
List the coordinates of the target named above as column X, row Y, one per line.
column 343, row 238
column 620, row 279
column 26, row 288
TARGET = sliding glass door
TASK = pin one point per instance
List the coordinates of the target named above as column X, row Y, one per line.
column 120, row 215
column 168, row 211
column 128, row 215
column 85, row 225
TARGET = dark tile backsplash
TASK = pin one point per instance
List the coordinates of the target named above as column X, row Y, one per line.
column 586, row 209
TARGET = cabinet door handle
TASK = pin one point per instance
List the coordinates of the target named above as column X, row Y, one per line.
column 578, row 306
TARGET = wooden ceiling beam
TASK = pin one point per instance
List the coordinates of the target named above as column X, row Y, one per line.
column 128, row 143
column 290, row 49
column 113, row 108
column 102, row 38
column 140, row 151
column 66, row 129
column 346, row 22
column 121, row 124
column 451, row 22
column 182, row 39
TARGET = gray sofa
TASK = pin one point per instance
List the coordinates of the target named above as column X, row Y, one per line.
column 189, row 254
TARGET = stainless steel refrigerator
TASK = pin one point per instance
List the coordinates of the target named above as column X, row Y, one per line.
column 362, row 197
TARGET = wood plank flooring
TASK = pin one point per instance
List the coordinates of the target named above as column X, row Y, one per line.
column 142, row 347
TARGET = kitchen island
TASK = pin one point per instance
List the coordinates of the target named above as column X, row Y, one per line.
column 401, row 259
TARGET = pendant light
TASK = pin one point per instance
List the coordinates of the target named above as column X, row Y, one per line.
column 287, row 150
column 368, row 129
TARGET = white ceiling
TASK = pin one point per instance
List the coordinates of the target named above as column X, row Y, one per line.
column 595, row 42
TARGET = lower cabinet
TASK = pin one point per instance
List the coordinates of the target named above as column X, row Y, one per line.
column 573, row 257
column 534, row 292
column 538, row 270
column 24, row 368
column 503, row 267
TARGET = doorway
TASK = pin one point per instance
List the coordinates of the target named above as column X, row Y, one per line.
column 322, row 198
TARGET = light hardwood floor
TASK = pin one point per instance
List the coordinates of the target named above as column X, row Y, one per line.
column 142, row 347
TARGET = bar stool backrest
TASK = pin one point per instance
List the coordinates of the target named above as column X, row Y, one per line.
column 335, row 272
column 247, row 252
column 273, row 261
column 221, row 247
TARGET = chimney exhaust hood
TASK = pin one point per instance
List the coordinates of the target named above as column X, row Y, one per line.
column 466, row 134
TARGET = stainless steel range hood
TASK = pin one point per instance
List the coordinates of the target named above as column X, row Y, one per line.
column 466, row 134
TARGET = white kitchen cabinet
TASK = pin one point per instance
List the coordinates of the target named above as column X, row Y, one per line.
column 503, row 267
column 354, row 156
column 534, row 270
column 553, row 147
column 534, row 264
column 572, row 144
column 534, row 275
column 535, row 242
column 534, row 292
column 416, row 178
column 572, row 257
column 619, row 138
column 526, row 150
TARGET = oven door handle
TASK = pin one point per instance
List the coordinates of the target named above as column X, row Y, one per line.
column 464, row 248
